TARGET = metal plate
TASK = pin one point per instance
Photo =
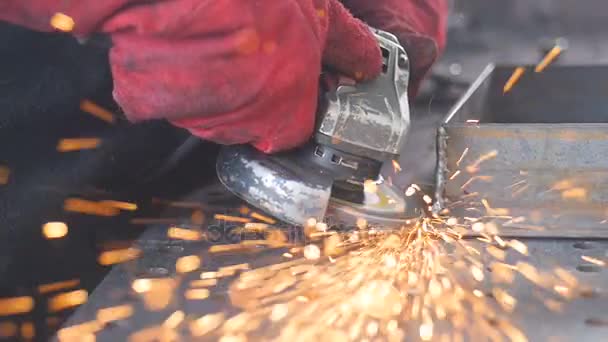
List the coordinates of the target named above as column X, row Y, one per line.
column 548, row 138
column 580, row 319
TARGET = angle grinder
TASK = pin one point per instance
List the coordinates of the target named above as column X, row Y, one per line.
column 336, row 175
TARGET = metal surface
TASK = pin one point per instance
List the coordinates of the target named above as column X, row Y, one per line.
column 549, row 135
column 371, row 119
column 582, row 319
column 274, row 183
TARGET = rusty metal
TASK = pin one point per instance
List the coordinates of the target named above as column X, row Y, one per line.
column 550, row 135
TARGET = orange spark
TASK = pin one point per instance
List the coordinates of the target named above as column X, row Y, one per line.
column 16, row 305
column 464, row 153
column 204, row 282
column 263, row 218
column 453, row 176
column 475, row 166
column 118, row 256
column 184, row 234
column 97, row 111
column 197, row 294
column 8, row 329
column 515, row 77
column 28, row 331
column 82, row 206
column 197, row 217
column 187, row 264
column 114, row 313
column 174, row 320
column 593, row 260
column 549, row 57
column 77, row 144
column 67, row 300
column 54, row 230
column 579, row 194
column 5, row 172
column 120, row 205
column 62, row 22
column 61, row 285
column 229, row 218
column 76, row 332
column 396, row 166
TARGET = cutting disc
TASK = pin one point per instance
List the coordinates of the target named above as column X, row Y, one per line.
column 385, row 207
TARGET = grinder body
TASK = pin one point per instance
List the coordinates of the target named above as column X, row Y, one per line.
column 359, row 126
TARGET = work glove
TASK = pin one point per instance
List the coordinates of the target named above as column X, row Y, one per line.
column 230, row 71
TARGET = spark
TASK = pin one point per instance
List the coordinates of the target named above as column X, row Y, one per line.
column 118, row 256
column 474, row 167
column 97, row 111
column 279, row 311
column 16, row 305
column 464, row 153
column 209, row 275
column 8, row 329
column 361, row 223
column 114, row 313
column 77, row 144
column 229, row 218
column 454, row 175
column 57, row 286
column 184, row 234
column 477, row 273
column 82, row 206
column 62, row 22
column 206, row 324
column 67, row 300
column 515, row 77
column 475, row 121
column 141, row 285
column 197, row 294
column 187, row 264
column 54, row 230
column 287, row 255
column 174, row 320
column 579, row 194
column 263, row 218
column 518, row 246
column 593, row 260
column 549, row 57
column 426, row 331
column 5, row 173
column 28, row 331
column 505, row 300
column 396, row 166
column 312, row 252
column 204, row 282
column 76, row 332
column 119, row 205
column 159, row 293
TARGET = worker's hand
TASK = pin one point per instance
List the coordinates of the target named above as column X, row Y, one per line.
column 238, row 71
column 230, row 71
column 420, row 26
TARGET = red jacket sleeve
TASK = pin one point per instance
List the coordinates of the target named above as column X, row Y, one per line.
column 239, row 71
column 231, row 71
column 420, row 26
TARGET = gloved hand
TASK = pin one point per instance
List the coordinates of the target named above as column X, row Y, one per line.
column 231, row 71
